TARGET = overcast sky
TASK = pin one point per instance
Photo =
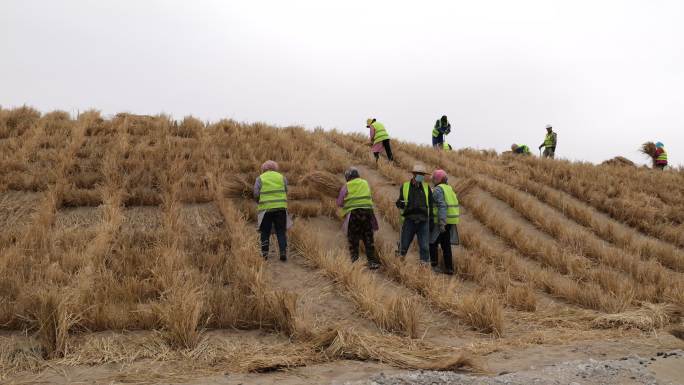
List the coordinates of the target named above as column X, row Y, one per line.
column 608, row 75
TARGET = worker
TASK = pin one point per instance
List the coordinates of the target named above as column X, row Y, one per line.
column 415, row 202
column 660, row 156
column 521, row 149
column 549, row 143
column 379, row 139
column 270, row 191
column 442, row 128
column 446, row 215
column 356, row 201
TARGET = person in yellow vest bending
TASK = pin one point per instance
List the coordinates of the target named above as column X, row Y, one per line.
column 549, row 143
column 270, row 191
column 379, row 139
column 356, row 201
column 446, row 214
column 415, row 203
column 521, row 149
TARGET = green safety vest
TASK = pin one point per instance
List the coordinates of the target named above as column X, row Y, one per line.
column 525, row 149
column 549, row 140
column 446, row 146
column 380, row 132
column 358, row 196
column 405, row 194
column 453, row 209
column 272, row 194
column 663, row 155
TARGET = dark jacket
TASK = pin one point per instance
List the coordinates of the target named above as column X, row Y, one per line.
column 415, row 208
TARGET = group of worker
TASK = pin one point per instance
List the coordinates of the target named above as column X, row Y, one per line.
column 379, row 139
column 429, row 214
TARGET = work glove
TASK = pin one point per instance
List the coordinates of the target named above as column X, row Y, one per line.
column 401, row 204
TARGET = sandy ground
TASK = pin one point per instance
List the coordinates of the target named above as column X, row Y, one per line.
column 655, row 360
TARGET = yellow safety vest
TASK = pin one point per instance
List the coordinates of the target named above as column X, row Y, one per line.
column 453, row 209
column 405, row 194
column 358, row 195
column 663, row 155
column 272, row 194
column 549, row 140
column 380, row 132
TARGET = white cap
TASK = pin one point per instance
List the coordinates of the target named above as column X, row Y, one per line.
column 548, row 126
column 419, row 169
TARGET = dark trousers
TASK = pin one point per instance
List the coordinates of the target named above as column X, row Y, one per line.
column 443, row 240
column 360, row 229
column 277, row 219
column 388, row 150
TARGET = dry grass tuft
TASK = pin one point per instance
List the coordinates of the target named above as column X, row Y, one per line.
column 52, row 314
column 180, row 313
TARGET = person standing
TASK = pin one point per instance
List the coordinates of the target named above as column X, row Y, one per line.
column 446, row 214
column 415, row 202
column 270, row 191
column 660, row 156
column 379, row 139
column 549, row 143
column 356, row 200
column 441, row 129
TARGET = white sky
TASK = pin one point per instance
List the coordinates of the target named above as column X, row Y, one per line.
column 608, row 75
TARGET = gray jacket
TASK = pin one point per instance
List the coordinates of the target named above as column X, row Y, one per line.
column 440, row 203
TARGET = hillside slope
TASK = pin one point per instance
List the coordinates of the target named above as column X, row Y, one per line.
column 131, row 241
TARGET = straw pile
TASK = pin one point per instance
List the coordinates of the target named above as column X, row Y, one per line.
column 648, row 317
column 619, row 161
column 393, row 350
column 324, row 182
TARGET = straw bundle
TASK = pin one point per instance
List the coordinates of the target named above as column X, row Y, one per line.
column 325, row 182
column 619, row 161
column 649, row 149
column 237, row 187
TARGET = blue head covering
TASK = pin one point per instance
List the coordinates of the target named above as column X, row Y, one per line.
column 660, row 144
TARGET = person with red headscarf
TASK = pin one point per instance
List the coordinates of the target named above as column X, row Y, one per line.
column 446, row 214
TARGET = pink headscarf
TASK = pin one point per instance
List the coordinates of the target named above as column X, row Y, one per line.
column 269, row 165
column 439, row 176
